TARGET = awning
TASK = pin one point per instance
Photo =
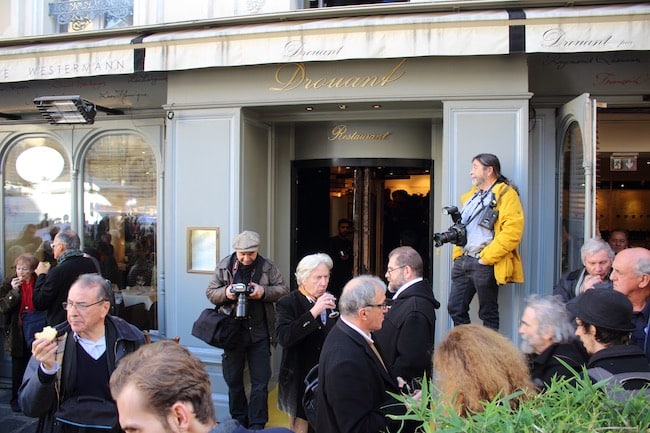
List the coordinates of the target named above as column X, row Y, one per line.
column 547, row 30
column 111, row 56
column 390, row 36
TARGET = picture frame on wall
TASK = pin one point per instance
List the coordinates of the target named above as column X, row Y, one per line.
column 202, row 249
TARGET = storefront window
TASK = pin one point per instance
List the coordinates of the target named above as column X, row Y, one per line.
column 120, row 213
column 36, row 198
column 573, row 199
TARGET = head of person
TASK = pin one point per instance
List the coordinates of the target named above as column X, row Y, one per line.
column 618, row 240
column 474, row 364
column 363, row 302
column 163, row 388
column 345, row 227
column 25, row 264
column 88, row 305
column 486, row 169
column 631, row 272
column 313, row 274
column 604, row 318
column 64, row 241
column 544, row 322
column 597, row 257
column 404, row 265
column 246, row 245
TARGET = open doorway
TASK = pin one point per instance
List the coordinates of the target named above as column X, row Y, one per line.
column 388, row 203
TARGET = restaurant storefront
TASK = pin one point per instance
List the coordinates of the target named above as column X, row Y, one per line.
column 288, row 127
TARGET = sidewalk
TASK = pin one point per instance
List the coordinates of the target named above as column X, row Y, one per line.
column 11, row 422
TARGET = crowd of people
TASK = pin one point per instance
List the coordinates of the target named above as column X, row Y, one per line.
column 369, row 341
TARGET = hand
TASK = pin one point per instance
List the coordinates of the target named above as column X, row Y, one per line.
column 258, row 293
column 229, row 294
column 590, row 281
column 481, row 262
column 326, row 301
column 42, row 268
column 44, row 350
column 16, row 283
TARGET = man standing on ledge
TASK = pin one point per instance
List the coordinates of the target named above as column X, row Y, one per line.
column 494, row 220
column 264, row 286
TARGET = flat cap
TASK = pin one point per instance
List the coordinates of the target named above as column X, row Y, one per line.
column 246, row 241
column 604, row 308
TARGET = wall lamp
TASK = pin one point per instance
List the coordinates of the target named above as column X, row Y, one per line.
column 66, row 110
column 10, row 116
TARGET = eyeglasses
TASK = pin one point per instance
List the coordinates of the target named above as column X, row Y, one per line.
column 53, row 244
column 80, row 306
column 384, row 305
column 389, row 270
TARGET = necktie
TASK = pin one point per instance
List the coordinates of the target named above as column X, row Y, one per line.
column 374, row 349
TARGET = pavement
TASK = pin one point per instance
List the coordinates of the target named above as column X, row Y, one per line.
column 10, row 421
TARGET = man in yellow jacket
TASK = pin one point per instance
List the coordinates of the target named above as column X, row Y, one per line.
column 494, row 222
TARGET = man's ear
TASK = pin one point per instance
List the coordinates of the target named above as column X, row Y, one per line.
column 645, row 281
column 179, row 417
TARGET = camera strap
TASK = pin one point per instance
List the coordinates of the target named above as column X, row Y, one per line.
column 478, row 209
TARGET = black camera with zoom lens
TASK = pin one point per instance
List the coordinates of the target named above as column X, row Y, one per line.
column 242, row 291
column 456, row 234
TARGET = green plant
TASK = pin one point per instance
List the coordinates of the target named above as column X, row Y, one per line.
column 574, row 405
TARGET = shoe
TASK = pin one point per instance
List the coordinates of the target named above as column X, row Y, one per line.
column 14, row 405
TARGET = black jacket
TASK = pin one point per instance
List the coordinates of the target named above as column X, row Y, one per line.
column 621, row 359
column 301, row 337
column 546, row 365
column 51, row 289
column 406, row 337
column 352, row 391
column 566, row 287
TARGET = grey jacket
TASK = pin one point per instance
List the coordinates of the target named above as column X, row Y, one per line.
column 39, row 394
column 271, row 279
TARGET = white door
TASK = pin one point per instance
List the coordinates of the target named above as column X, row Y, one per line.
column 576, row 126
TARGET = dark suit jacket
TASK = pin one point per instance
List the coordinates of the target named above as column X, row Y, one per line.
column 546, row 365
column 405, row 339
column 353, row 385
column 301, row 337
column 51, row 289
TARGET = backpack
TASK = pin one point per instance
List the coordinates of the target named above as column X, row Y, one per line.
column 614, row 388
column 309, row 397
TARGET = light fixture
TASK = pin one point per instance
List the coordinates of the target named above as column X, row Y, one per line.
column 10, row 116
column 65, row 110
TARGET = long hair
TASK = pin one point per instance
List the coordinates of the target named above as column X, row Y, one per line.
column 474, row 364
column 491, row 160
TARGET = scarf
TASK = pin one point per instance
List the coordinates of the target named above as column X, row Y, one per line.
column 69, row 253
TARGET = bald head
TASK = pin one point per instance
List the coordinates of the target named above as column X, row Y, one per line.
column 631, row 274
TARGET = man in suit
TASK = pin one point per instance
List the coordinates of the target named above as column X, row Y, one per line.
column 353, row 379
column 406, row 337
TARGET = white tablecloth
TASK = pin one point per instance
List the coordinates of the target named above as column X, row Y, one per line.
column 146, row 295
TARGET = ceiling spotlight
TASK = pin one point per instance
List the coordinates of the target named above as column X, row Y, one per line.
column 66, row 110
column 343, row 107
column 309, row 108
column 376, row 106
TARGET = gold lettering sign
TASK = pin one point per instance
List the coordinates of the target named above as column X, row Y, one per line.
column 294, row 75
column 340, row 132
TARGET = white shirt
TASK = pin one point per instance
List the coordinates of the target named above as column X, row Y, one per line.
column 406, row 286
column 93, row 348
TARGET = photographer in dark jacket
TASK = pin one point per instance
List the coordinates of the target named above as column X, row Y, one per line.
column 265, row 285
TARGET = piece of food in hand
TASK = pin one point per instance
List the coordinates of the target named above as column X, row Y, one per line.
column 47, row 332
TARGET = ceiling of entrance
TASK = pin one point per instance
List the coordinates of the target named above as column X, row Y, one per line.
column 316, row 110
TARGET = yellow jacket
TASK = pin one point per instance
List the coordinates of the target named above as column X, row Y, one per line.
column 503, row 252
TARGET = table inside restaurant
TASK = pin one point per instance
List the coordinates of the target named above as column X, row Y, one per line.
column 136, row 306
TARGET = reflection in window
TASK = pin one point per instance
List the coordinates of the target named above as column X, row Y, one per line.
column 120, row 213
column 36, row 198
column 573, row 199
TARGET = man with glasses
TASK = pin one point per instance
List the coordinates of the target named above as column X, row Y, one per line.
column 353, row 378
column 406, row 337
column 52, row 285
column 76, row 366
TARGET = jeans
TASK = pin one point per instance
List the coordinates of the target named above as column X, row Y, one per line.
column 254, row 412
column 468, row 278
